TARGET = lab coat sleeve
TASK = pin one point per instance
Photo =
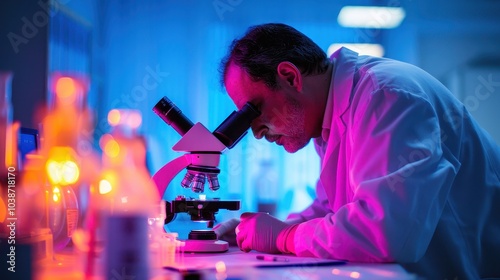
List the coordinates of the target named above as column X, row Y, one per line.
column 400, row 174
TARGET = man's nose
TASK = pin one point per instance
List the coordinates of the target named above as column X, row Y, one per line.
column 258, row 129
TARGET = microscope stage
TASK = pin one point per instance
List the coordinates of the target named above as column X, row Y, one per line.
column 204, row 246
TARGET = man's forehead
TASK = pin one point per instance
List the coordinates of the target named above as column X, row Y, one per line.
column 238, row 85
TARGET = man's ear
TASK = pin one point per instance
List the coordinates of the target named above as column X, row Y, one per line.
column 290, row 74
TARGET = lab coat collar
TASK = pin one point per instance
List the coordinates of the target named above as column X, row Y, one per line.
column 344, row 65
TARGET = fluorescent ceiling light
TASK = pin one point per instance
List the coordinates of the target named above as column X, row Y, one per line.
column 371, row 16
column 361, row 49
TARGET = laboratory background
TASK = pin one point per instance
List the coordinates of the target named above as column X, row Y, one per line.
column 127, row 55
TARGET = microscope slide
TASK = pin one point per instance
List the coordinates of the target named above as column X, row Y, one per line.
column 236, row 258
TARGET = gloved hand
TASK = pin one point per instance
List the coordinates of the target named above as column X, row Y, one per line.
column 259, row 231
column 226, row 231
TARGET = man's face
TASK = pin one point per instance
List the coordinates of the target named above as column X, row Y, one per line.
column 282, row 119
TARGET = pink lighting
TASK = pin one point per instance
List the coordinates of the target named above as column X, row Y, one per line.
column 220, row 267
column 354, row 275
column 347, row 273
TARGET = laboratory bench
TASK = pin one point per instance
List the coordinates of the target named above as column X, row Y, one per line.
column 233, row 264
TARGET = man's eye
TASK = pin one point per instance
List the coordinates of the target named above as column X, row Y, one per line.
column 256, row 105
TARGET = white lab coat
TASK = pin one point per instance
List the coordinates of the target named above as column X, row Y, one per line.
column 407, row 175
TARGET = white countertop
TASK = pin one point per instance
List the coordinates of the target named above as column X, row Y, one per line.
column 236, row 265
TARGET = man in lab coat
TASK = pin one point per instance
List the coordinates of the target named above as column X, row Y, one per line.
column 407, row 175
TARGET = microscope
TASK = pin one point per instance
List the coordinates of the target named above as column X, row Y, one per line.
column 202, row 155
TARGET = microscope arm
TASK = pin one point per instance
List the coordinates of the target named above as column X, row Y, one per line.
column 166, row 174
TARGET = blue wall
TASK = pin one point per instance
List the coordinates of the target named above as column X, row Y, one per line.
column 179, row 45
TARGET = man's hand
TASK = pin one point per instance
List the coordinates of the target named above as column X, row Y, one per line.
column 226, row 231
column 259, row 231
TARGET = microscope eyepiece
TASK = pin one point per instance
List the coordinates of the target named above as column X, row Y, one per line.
column 172, row 115
column 235, row 126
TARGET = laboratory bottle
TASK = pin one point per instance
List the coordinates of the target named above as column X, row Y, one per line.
column 134, row 202
column 63, row 169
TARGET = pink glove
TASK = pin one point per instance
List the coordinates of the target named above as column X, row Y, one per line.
column 261, row 232
column 226, row 231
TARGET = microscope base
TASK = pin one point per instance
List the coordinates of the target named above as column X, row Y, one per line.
column 204, row 246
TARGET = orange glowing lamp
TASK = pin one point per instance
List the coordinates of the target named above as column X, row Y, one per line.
column 109, row 146
column 105, row 186
column 107, row 183
column 56, row 194
column 66, row 87
column 61, row 166
column 128, row 118
column 68, row 90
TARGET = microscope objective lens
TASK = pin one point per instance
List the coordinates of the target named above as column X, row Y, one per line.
column 213, row 182
column 198, row 185
column 187, row 180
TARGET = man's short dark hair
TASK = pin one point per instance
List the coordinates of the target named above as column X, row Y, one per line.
column 264, row 46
